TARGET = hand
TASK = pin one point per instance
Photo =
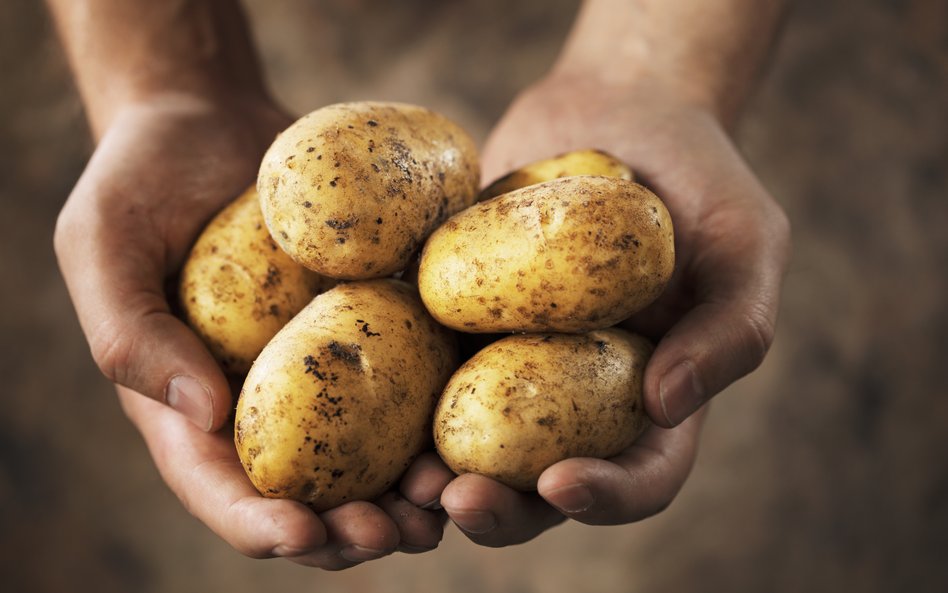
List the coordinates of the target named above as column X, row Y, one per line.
column 161, row 170
column 204, row 472
column 714, row 322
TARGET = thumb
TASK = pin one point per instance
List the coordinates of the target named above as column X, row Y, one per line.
column 115, row 277
column 729, row 331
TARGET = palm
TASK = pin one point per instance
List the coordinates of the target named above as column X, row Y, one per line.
column 166, row 172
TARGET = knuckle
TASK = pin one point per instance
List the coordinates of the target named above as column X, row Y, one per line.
column 229, row 520
column 112, row 350
column 784, row 226
column 782, row 229
column 64, row 231
column 756, row 335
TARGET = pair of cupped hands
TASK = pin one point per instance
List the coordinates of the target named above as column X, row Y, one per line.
column 166, row 164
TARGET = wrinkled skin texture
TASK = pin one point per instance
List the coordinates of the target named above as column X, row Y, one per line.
column 713, row 323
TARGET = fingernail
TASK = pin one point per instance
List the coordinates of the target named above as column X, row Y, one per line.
column 476, row 522
column 680, row 392
column 357, row 553
column 575, row 498
column 186, row 395
column 432, row 505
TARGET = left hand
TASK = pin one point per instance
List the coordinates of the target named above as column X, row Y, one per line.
column 714, row 322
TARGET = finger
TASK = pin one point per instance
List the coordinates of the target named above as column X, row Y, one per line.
column 638, row 483
column 204, row 472
column 729, row 331
column 356, row 532
column 115, row 278
column 492, row 514
column 425, row 480
column 418, row 530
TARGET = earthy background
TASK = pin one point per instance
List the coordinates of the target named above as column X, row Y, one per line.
column 824, row 471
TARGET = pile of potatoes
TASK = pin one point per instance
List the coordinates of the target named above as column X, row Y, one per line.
column 310, row 290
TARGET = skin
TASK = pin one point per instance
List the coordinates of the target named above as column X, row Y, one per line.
column 181, row 119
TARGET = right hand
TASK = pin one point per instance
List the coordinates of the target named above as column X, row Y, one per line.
column 163, row 168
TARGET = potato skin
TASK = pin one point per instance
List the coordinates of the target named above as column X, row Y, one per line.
column 589, row 161
column 526, row 402
column 352, row 190
column 568, row 255
column 340, row 401
column 237, row 288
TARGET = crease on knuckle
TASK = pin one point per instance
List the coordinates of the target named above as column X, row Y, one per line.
column 194, row 477
column 116, row 348
column 113, row 349
column 228, row 517
column 756, row 335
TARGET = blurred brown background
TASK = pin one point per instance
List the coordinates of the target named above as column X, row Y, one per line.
column 827, row 470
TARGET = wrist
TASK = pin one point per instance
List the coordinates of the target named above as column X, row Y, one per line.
column 641, row 91
column 204, row 96
column 127, row 52
column 248, row 108
column 705, row 54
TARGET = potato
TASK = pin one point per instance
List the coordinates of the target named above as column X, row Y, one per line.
column 352, row 190
column 569, row 255
column 527, row 401
column 237, row 288
column 340, row 401
column 577, row 162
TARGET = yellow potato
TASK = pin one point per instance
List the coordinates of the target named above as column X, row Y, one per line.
column 352, row 190
column 238, row 288
column 569, row 255
column 340, row 401
column 526, row 402
column 577, row 162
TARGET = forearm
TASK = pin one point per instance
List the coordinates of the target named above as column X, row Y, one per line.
column 123, row 51
column 710, row 53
